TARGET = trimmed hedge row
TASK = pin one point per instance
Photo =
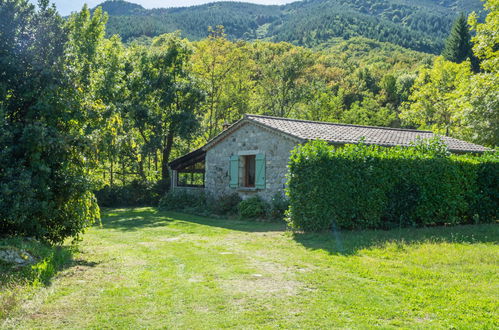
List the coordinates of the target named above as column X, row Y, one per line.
column 360, row 187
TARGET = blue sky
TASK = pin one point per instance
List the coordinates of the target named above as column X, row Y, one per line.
column 67, row 6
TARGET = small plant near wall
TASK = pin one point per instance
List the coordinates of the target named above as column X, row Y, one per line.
column 252, row 208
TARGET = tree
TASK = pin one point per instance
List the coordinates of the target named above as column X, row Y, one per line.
column 224, row 70
column 164, row 96
column 280, row 74
column 435, row 101
column 486, row 40
column 458, row 46
column 44, row 189
column 368, row 112
column 482, row 112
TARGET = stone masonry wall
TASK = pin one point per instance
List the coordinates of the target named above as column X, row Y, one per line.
column 249, row 138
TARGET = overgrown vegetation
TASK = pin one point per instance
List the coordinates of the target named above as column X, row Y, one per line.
column 18, row 282
column 361, row 187
column 252, row 208
column 228, row 206
column 136, row 193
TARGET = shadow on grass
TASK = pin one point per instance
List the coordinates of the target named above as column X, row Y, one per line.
column 16, row 281
column 350, row 242
column 131, row 219
column 49, row 262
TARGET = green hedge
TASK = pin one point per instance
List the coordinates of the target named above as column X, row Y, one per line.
column 360, row 186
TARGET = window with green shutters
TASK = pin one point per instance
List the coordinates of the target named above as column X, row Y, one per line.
column 253, row 171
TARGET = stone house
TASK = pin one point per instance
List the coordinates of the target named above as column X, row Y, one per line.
column 250, row 157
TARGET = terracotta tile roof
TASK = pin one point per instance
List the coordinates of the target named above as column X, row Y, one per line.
column 344, row 133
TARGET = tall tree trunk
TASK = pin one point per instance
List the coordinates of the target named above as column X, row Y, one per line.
column 165, row 173
column 123, row 175
column 111, row 173
column 141, row 169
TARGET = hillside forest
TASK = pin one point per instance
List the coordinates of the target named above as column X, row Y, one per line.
column 420, row 25
column 82, row 111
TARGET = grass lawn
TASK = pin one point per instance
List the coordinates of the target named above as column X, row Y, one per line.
column 149, row 269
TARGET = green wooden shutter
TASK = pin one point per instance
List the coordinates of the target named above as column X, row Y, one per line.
column 234, row 171
column 260, row 171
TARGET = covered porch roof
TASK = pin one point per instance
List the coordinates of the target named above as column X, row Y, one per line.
column 189, row 159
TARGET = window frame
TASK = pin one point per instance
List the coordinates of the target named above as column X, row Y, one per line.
column 248, row 160
column 195, row 168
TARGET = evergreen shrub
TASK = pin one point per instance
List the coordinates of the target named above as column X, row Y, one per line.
column 361, row 186
column 253, row 208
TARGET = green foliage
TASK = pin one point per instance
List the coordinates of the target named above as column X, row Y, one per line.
column 450, row 98
column 458, row 47
column 179, row 200
column 436, row 100
column 487, row 200
column 164, row 96
column 486, row 39
column 136, row 193
column 225, row 205
column 360, row 186
column 279, row 204
column 252, row 208
column 421, row 25
column 44, row 186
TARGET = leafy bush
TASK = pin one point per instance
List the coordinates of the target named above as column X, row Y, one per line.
column 180, row 200
column 137, row 193
column 225, row 205
column 252, row 208
column 359, row 186
column 278, row 206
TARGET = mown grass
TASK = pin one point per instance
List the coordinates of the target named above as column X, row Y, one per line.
column 150, row 269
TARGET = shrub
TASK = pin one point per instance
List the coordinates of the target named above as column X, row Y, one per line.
column 252, row 208
column 359, row 186
column 486, row 205
column 225, row 205
column 137, row 193
column 278, row 206
column 179, row 200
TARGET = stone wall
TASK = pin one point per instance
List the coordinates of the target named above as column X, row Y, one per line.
column 249, row 139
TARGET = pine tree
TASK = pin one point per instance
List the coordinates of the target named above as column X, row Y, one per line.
column 458, row 47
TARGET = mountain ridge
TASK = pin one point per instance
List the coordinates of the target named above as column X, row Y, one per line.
column 420, row 25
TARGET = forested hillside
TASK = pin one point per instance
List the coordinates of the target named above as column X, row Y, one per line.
column 418, row 24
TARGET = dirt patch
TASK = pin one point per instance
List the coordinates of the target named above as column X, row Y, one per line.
column 269, row 279
column 169, row 239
